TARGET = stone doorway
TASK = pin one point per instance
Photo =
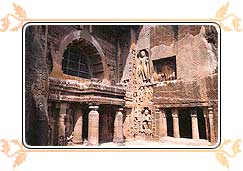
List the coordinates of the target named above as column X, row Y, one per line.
column 185, row 123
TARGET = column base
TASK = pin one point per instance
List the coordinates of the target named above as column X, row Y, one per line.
column 77, row 142
column 93, row 144
column 118, row 141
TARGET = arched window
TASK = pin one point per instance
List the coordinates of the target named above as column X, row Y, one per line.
column 75, row 62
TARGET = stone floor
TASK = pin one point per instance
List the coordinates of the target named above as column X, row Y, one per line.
column 165, row 142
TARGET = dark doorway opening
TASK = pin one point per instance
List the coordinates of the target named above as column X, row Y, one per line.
column 201, row 124
column 85, row 110
column 106, row 123
column 169, row 122
column 185, row 123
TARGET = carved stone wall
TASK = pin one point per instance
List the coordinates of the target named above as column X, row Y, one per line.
column 192, row 49
column 187, row 94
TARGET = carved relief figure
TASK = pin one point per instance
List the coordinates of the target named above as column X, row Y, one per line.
column 167, row 72
column 147, row 119
column 165, row 69
column 143, row 67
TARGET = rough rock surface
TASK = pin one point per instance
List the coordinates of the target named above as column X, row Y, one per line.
column 36, row 89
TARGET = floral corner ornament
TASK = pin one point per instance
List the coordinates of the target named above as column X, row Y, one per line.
column 19, row 17
column 223, row 18
column 14, row 151
column 223, row 156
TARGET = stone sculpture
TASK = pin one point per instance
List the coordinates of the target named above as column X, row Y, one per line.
column 143, row 67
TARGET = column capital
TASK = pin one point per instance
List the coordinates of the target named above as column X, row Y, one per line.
column 175, row 113
column 161, row 112
column 94, row 107
column 120, row 109
column 210, row 108
column 163, row 115
column 210, row 112
column 157, row 110
column 194, row 113
column 205, row 112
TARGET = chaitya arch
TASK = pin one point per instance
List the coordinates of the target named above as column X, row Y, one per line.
column 96, row 59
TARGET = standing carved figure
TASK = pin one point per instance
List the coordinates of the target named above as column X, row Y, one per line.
column 143, row 67
column 147, row 119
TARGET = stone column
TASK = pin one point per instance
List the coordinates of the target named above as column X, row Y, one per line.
column 68, row 120
column 205, row 115
column 52, row 131
column 176, row 130
column 61, row 124
column 211, row 125
column 163, row 131
column 93, row 130
column 78, row 128
column 195, row 133
column 164, row 123
column 118, row 127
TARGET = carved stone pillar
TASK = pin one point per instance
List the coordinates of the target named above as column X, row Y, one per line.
column 78, row 128
column 176, row 130
column 195, row 133
column 118, row 127
column 211, row 125
column 93, row 130
column 52, row 131
column 68, row 122
column 61, row 124
column 205, row 115
column 161, row 123
column 164, row 123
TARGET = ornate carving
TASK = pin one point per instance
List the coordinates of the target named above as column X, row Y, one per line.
column 143, row 66
column 147, row 119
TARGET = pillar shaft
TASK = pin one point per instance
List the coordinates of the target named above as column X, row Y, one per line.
column 78, row 128
column 61, row 124
column 163, row 124
column 52, row 131
column 211, row 125
column 176, row 130
column 195, row 133
column 93, row 130
column 205, row 114
column 68, row 122
column 118, row 127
